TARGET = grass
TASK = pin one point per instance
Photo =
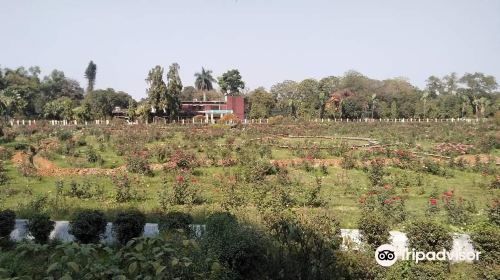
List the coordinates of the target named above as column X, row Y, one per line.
column 341, row 188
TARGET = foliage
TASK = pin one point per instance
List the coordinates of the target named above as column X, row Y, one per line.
column 240, row 247
column 40, row 226
column 428, row 236
column 138, row 164
column 7, row 223
column 128, row 225
column 87, row 226
column 175, row 221
column 90, row 75
column 487, row 241
column 231, row 83
column 374, row 229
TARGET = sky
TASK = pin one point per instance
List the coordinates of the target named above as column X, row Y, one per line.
column 267, row 40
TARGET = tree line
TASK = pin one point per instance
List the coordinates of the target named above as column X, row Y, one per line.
column 24, row 94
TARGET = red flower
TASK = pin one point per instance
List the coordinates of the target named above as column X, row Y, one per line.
column 387, row 186
column 179, row 179
column 387, row 201
column 433, row 201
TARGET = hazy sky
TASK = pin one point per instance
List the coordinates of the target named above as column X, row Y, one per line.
column 267, row 40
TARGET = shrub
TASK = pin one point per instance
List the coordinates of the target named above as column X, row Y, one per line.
column 124, row 190
column 240, row 247
column 183, row 192
column 313, row 196
column 428, row 236
column 7, row 224
column 376, row 171
column 494, row 212
column 128, row 225
column 487, row 241
column 175, row 221
column 88, row 226
column 64, row 135
column 3, row 177
column 459, row 210
column 348, row 161
column 39, row 226
column 374, row 229
column 433, row 168
column 93, row 156
column 356, row 265
column 428, row 271
column 138, row 164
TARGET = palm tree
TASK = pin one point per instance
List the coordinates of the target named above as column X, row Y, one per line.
column 204, row 81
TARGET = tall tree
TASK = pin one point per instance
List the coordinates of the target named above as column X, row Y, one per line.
column 434, row 86
column 284, row 93
column 327, row 86
column 261, row 103
column 450, row 83
column 203, row 82
column 231, row 83
column 479, row 83
column 174, row 89
column 157, row 91
column 90, row 75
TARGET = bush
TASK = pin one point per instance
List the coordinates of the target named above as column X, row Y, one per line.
column 428, row 271
column 494, row 212
column 459, row 210
column 138, row 164
column 376, row 171
column 128, row 225
column 64, row 135
column 39, row 226
column 7, row 224
column 175, row 221
column 487, row 241
column 88, row 226
column 428, row 236
column 241, row 248
column 374, row 229
column 3, row 177
column 433, row 168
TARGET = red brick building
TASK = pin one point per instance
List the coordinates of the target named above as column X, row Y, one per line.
column 214, row 109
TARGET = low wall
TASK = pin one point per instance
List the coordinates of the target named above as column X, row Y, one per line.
column 351, row 237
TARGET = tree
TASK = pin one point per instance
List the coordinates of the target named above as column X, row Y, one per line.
column 59, row 109
column 434, row 86
column 373, row 101
column 90, row 75
column 157, row 91
column 203, row 82
column 261, row 103
column 309, row 98
column 326, row 86
column 394, row 110
column 231, row 83
column 189, row 93
column 284, row 93
column 479, row 83
column 450, row 83
column 424, row 97
column 174, row 89
column 102, row 102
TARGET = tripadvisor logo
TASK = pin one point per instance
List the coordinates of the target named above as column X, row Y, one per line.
column 386, row 255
